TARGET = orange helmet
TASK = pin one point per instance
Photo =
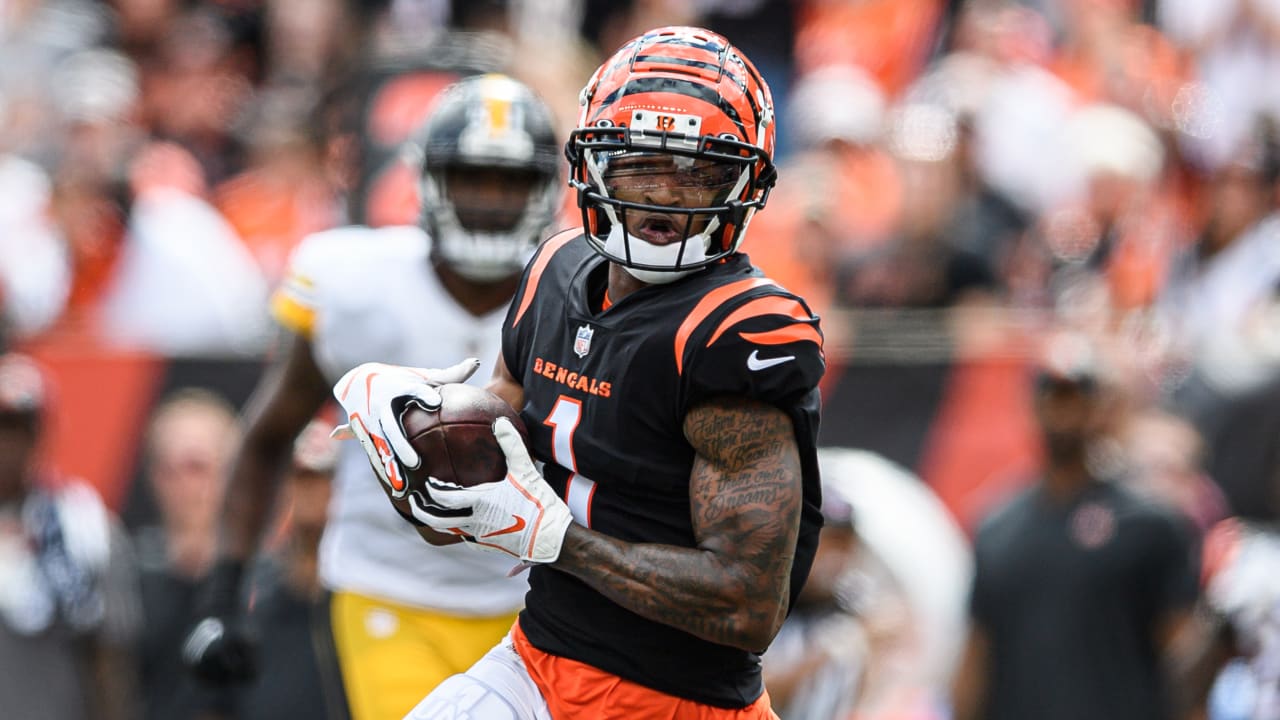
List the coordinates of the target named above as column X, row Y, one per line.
column 685, row 101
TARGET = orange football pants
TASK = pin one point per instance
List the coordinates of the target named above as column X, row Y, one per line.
column 577, row 691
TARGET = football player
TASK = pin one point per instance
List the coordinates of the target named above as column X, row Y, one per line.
column 403, row 620
column 670, row 391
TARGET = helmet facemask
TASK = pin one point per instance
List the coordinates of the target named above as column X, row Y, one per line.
column 490, row 127
column 482, row 244
column 665, row 204
column 684, row 95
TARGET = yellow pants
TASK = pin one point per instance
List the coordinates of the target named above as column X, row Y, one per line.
column 392, row 655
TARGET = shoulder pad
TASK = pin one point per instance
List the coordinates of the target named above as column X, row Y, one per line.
column 534, row 271
column 764, row 343
column 333, row 257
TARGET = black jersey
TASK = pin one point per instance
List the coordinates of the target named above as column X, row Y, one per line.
column 1071, row 596
column 606, row 393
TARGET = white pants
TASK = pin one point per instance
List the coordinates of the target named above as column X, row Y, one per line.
column 497, row 687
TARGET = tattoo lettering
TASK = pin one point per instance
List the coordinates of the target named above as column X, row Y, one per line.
column 718, row 506
column 745, row 496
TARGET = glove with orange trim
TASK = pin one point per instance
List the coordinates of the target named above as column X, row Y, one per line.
column 520, row 515
column 375, row 397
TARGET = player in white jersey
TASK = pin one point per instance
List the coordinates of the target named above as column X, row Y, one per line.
column 403, row 619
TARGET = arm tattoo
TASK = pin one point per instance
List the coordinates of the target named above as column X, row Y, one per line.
column 745, row 495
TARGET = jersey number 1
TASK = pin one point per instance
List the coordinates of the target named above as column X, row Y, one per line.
column 578, row 490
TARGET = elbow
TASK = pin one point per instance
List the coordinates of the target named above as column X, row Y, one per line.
column 755, row 637
column 757, row 625
column 758, row 613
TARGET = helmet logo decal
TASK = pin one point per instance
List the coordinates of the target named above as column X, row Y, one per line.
column 647, row 128
column 497, row 108
column 582, row 341
column 495, row 126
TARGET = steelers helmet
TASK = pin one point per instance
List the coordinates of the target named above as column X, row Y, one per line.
column 488, row 121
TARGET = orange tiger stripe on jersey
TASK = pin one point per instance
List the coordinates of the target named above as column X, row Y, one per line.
column 769, row 305
column 784, row 335
column 708, row 305
column 549, row 248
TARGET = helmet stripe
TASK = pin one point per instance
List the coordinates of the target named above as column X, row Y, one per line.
column 678, row 86
column 663, row 59
column 751, row 99
column 685, row 41
column 721, row 67
column 498, row 109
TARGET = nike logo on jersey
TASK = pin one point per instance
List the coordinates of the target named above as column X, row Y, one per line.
column 754, row 362
column 516, row 526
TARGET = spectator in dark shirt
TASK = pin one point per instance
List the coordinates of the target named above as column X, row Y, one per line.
column 189, row 443
column 1080, row 587
column 298, row 674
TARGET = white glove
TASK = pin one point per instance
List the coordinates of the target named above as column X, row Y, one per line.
column 374, row 397
column 520, row 516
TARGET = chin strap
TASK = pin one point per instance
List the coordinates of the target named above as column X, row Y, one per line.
column 621, row 245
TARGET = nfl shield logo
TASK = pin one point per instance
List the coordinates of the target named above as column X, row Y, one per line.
column 582, row 343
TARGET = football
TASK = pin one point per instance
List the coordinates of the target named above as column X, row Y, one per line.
column 456, row 443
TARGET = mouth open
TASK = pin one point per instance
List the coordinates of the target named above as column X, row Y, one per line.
column 658, row 229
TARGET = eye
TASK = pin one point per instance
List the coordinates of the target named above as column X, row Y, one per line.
column 707, row 177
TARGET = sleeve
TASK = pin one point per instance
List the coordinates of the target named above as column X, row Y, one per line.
column 767, row 347
column 295, row 302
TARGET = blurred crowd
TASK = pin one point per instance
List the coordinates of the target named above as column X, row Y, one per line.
column 961, row 182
